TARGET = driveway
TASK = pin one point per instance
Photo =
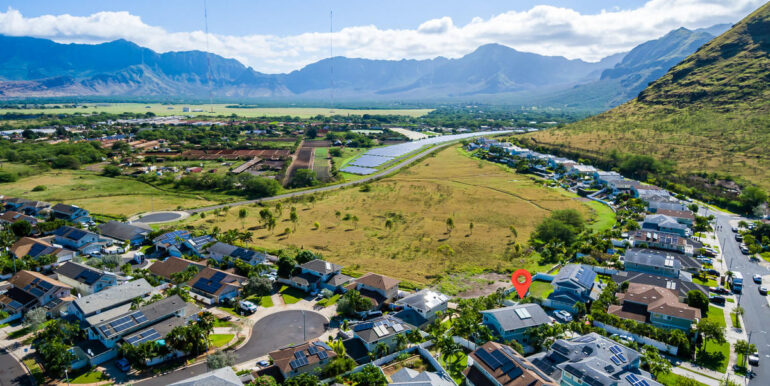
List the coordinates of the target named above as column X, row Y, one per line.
column 272, row 332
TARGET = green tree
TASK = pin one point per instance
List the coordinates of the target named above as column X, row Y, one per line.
column 752, row 196
column 242, row 213
column 111, row 171
column 450, row 225
column 21, row 228
column 303, row 178
column 257, row 286
column 698, row 300
column 470, row 227
column 745, row 349
column 304, row 256
column 369, row 375
column 285, row 266
column 656, row 364
column 35, row 318
column 304, row 379
column 220, row 359
column 56, row 356
column 264, row 380
column 710, row 331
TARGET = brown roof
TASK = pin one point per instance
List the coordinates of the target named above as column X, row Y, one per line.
column 378, row 281
column 282, row 358
column 530, row 376
column 171, row 266
column 22, row 247
column 658, row 299
column 676, row 213
column 24, row 278
column 13, row 216
column 228, row 281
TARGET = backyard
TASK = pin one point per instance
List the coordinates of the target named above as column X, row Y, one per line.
column 401, row 221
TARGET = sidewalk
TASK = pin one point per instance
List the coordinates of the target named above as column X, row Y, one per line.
column 685, row 372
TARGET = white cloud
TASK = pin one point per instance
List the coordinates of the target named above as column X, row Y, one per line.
column 543, row 29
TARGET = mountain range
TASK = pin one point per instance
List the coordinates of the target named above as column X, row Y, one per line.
column 32, row 67
column 709, row 114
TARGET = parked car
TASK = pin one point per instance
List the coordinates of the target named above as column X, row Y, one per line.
column 754, row 359
column 735, row 229
column 563, row 316
column 738, row 237
column 123, row 365
column 763, row 290
column 719, row 290
column 719, row 300
column 247, row 306
column 744, row 249
column 713, row 272
column 263, row 363
column 705, row 260
column 758, row 279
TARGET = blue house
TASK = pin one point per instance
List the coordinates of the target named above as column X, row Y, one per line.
column 195, row 245
column 572, row 284
column 664, row 223
column 513, row 323
column 128, row 233
column 79, row 240
column 70, row 213
column 171, row 243
column 28, row 207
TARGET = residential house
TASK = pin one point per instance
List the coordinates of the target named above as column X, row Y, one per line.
column 592, row 360
column 664, row 223
column 87, row 280
column 213, row 286
column 164, row 269
column 225, row 376
column 314, row 275
column 43, row 288
column 676, row 284
column 108, row 299
column 12, row 217
column 421, row 307
column 494, row 364
column 513, row 323
column 195, row 245
column 574, row 283
column 650, row 193
column 654, row 305
column 29, row 207
column 622, row 186
column 383, row 329
column 654, row 205
column 303, row 358
column 604, row 178
column 170, row 243
column 27, row 246
column 70, row 213
column 220, row 250
column 663, row 263
column 581, row 170
column 15, row 302
column 409, row 377
column 379, row 289
column 79, row 240
column 645, row 238
column 681, row 216
column 134, row 234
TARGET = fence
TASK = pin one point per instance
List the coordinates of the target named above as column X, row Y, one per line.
column 605, row 270
column 638, row 338
column 465, row 343
column 543, row 277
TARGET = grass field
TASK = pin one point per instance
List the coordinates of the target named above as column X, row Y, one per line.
column 91, row 376
column 418, row 201
column 291, row 295
column 111, row 196
column 716, row 315
column 220, row 340
column 219, row 109
column 672, row 379
column 540, row 289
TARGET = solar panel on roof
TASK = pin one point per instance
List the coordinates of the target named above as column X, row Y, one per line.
column 37, row 292
column 398, row 327
column 631, row 378
column 643, row 382
column 322, row 355
column 615, row 349
column 363, row 326
column 293, row 365
column 36, row 249
column 302, row 361
column 15, row 304
column 487, row 358
column 299, row 354
column 88, row 277
column 615, row 360
column 514, row 373
column 622, row 357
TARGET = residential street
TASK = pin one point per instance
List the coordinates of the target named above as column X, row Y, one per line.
column 11, row 371
column 757, row 310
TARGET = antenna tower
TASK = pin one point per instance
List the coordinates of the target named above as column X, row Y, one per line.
column 208, row 56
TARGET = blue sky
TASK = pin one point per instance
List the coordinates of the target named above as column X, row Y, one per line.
column 285, row 35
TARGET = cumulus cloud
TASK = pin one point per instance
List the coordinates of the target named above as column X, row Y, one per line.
column 543, row 29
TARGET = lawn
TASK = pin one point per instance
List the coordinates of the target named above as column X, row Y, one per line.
column 220, row 340
column 222, row 323
column 329, row 301
column 716, row 315
column 716, row 356
column 219, row 109
column 91, row 376
column 709, row 282
column 263, row 301
column 291, row 295
column 604, row 217
column 35, row 369
column 416, row 202
column 672, row 379
column 98, row 194
column 540, row 289
column 229, row 310
column 455, row 364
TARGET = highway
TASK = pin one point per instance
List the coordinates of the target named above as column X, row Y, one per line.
column 757, row 311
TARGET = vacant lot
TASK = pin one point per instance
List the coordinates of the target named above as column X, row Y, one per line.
column 401, row 227
column 112, row 196
column 219, row 109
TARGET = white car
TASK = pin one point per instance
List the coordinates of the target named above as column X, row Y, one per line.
column 754, row 359
column 563, row 316
column 247, row 306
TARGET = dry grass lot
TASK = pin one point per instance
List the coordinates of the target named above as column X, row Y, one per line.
column 418, row 202
column 112, row 196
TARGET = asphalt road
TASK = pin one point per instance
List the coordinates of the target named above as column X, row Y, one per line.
column 756, row 316
column 12, row 372
column 268, row 334
column 372, row 177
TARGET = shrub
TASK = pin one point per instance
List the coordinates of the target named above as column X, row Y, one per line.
column 39, row 188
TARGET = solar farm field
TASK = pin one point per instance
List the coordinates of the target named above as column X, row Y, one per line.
column 400, row 222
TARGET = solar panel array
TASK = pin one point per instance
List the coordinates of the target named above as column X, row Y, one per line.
column 498, row 360
column 211, row 285
column 299, row 362
column 171, row 237
column 323, row 345
column 38, row 287
column 636, row 381
column 381, row 155
column 122, row 324
column 322, row 355
column 88, row 276
column 144, row 336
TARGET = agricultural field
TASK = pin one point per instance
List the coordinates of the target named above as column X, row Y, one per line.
column 103, row 195
column 219, row 109
column 400, row 222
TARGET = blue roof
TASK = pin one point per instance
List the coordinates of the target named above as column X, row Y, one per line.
column 579, row 274
column 171, row 237
column 71, row 233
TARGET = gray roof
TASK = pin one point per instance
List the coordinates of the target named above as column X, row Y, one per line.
column 220, row 377
column 79, row 272
column 519, row 316
column 590, row 358
column 575, row 276
column 662, row 220
column 387, row 325
column 681, row 286
column 321, row 266
column 666, row 204
column 64, row 208
column 152, row 312
column 122, row 231
column 424, row 300
column 653, row 258
column 113, row 296
column 339, row 279
column 407, row 376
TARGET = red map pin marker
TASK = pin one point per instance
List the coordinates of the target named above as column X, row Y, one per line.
column 521, row 280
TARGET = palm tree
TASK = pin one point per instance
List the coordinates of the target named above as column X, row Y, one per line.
column 338, row 347
column 401, row 342
column 381, row 349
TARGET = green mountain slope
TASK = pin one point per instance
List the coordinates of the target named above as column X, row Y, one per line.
column 710, row 113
